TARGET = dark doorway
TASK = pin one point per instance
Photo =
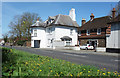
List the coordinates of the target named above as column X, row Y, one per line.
column 36, row 43
column 93, row 43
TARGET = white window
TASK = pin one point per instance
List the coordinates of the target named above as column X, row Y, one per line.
column 35, row 33
column 68, row 42
column 71, row 31
column 88, row 32
column 50, row 30
column 99, row 31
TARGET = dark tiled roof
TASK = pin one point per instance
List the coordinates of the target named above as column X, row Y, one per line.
column 117, row 19
column 96, row 23
column 64, row 20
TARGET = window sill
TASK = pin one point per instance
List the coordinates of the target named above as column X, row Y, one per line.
column 98, row 34
column 87, row 34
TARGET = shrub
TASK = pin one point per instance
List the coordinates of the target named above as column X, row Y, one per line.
column 21, row 42
column 8, row 56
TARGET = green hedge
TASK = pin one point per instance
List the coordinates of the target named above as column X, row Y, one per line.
column 21, row 42
column 8, row 55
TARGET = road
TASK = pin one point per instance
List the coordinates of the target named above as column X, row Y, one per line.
column 111, row 63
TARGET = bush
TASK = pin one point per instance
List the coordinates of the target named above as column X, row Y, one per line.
column 8, row 56
column 21, row 42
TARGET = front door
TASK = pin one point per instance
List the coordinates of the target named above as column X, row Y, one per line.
column 36, row 43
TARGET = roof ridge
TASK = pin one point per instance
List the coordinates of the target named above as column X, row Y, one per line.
column 101, row 17
column 57, row 18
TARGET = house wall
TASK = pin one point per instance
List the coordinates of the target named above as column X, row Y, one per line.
column 101, row 38
column 113, row 40
column 41, row 35
column 61, row 31
column 100, row 42
column 50, row 35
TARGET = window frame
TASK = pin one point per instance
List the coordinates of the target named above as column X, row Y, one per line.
column 71, row 31
column 99, row 33
column 35, row 32
column 87, row 32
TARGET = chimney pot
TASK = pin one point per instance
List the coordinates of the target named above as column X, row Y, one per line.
column 92, row 16
column 37, row 19
column 113, row 13
column 83, row 21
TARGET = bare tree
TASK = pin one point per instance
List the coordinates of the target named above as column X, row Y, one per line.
column 5, row 37
column 20, row 26
column 27, row 20
column 117, row 10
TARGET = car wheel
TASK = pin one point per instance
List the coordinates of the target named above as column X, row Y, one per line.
column 86, row 48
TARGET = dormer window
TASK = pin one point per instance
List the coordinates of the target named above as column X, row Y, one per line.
column 88, row 32
column 52, row 20
column 99, row 31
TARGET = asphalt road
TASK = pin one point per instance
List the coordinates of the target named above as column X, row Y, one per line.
column 111, row 63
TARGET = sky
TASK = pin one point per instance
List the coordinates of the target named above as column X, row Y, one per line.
column 45, row 9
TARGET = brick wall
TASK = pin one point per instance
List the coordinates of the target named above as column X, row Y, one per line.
column 28, row 43
column 102, row 43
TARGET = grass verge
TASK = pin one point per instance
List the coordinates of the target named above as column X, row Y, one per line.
column 20, row 63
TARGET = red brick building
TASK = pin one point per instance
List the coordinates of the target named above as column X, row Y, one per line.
column 95, row 30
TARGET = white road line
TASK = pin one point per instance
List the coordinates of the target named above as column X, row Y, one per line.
column 116, row 60
column 74, row 55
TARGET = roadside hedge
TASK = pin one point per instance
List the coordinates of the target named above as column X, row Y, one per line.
column 8, row 56
column 21, row 42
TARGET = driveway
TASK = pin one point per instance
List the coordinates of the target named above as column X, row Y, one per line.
column 99, row 60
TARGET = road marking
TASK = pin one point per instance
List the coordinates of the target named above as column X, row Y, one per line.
column 74, row 55
column 116, row 60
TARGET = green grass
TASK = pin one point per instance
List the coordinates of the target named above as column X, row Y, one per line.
column 19, row 63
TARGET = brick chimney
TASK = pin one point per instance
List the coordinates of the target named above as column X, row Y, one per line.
column 92, row 16
column 113, row 13
column 83, row 21
column 37, row 19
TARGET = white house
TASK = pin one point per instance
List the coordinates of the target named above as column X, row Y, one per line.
column 113, row 40
column 2, row 42
column 56, row 31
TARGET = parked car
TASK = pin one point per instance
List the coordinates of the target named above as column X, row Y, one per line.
column 86, row 46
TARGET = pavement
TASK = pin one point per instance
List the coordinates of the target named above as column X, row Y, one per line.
column 81, row 51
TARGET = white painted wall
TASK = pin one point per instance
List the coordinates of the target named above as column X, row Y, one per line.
column 113, row 41
column 50, row 36
column 41, row 35
column 61, row 31
column 56, row 33
column 2, row 42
